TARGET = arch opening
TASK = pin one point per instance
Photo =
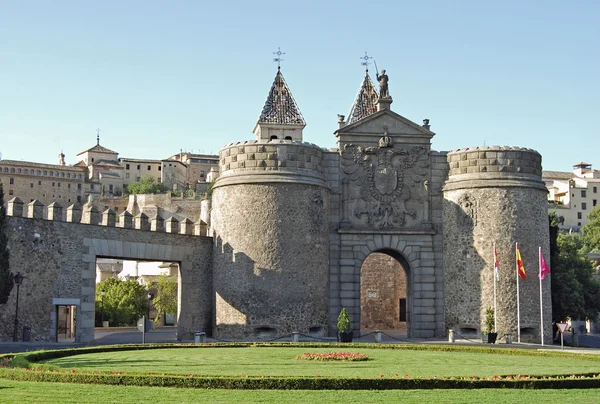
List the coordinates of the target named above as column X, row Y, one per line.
column 385, row 294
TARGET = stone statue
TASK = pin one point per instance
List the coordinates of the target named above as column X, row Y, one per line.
column 386, row 140
column 383, row 85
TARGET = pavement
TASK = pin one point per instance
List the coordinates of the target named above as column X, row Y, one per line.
column 589, row 343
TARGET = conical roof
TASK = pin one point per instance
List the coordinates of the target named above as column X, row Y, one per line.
column 280, row 107
column 365, row 102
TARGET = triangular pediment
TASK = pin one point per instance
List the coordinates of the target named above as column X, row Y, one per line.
column 377, row 123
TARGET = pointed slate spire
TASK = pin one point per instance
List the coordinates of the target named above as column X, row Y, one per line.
column 365, row 102
column 280, row 116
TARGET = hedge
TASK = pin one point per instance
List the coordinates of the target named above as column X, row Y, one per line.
column 304, row 383
column 24, row 367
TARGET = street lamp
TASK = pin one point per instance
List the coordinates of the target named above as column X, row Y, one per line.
column 102, row 307
column 18, row 280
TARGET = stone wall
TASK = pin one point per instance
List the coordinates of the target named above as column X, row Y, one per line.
column 58, row 260
column 383, row 284
column 495, row 195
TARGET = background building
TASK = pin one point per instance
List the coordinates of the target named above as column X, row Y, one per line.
column 573, row 195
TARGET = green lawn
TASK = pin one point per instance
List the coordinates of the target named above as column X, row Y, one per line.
column 25, row 392
column 272, row 361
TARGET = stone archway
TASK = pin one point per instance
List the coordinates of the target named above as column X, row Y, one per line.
column 384, row 293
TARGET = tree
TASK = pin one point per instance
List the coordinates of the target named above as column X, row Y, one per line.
column 146, row 185
column 124, row 301
column 591, row 231
column 6, row 277
column 575, row 292
column 165, row 301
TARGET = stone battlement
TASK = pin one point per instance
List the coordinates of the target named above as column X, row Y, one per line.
column 282, row 155
column 495, row 159
column 89, row 214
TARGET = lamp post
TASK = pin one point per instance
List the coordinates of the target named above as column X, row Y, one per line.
column 102, row 308
column 150, row 296
column 18, row 280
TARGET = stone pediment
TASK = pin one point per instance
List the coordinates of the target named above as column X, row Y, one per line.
column 378, row 122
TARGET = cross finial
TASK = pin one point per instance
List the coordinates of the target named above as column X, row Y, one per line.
column 98, row 136
column 278, row 59
column 366, row 61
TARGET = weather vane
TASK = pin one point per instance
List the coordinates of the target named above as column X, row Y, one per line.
column 98, row 136
column 278, row 59
column 366, row 61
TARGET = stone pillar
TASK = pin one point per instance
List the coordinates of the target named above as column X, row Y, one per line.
column 74, row 213
column 495, row 196
column 172, row 225
column 54, row 211
column 15, row 207
column 186, row 226
column 125, row 220
column 109, row 218
column 35, row 210
column 90, row 215
column 141, row 222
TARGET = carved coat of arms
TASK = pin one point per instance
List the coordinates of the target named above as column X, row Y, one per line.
column 384, row 176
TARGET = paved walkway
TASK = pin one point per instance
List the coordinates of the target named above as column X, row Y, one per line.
column 169, row 335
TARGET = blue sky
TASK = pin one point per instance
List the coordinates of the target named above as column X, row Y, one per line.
column 158, row 76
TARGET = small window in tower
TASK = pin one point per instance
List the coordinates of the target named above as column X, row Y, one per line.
column 11, row 181
column 139, row 166
column 583, row 206
column 594, row 202
column 31, row 185
column 159, row 168
column 92, row 159
column 127, row 166
column 149, row 168
column 39, row 182
column 579, row 215
column 10, row 191
column 595, row 190
column 583, row 193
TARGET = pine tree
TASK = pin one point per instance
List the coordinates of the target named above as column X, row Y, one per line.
column 6, row 277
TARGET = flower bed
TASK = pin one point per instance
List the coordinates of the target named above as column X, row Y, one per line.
column 333, row 356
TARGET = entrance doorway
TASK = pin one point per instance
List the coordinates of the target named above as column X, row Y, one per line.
column 66, row 321
column 383, row 295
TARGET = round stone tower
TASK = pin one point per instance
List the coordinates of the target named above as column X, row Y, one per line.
column 269, row 222
column 495, row 196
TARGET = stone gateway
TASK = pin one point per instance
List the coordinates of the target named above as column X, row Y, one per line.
column 397, row 233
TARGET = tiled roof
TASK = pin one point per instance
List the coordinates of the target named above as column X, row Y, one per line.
column 40, row 165
column 107, row 163
column 365, row 102
column 280, row 107
column 99, row 149
column 558, row 175
column 109, row 174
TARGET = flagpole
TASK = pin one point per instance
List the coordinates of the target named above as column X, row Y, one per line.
column 495, row 274
column 541, row 305
column 518, row 308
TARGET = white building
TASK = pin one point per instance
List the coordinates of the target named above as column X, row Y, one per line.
column 573, row 195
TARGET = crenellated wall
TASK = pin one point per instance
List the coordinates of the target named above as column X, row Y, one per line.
column 58, row 259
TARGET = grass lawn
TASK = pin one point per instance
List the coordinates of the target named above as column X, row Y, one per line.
column 27, row 392
column 276, row 361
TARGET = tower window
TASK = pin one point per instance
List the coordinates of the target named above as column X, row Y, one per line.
column 583, row 193
column 583, row 206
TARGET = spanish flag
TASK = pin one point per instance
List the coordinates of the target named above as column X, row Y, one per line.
column 520, row 267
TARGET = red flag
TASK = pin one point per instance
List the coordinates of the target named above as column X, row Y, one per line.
column 520, row 267
column 496, row 265
column 544, row 270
